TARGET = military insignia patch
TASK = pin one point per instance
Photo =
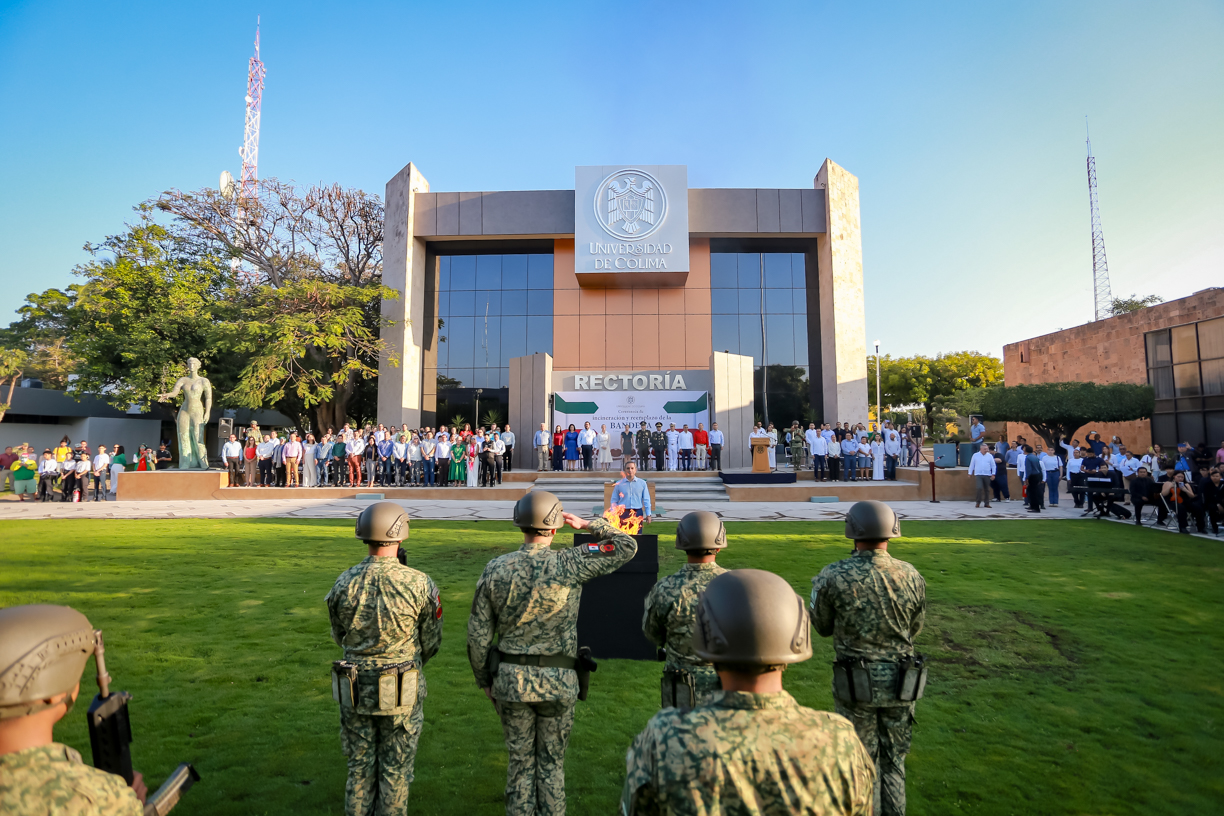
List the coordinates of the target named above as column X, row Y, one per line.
column 592, row 548
column 436, row 596
column 607, row 548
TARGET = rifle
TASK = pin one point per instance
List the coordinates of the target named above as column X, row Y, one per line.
column 110, row 738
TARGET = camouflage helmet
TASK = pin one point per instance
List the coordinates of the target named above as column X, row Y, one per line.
column 43, row 650
column 538, row 510
column 752, row 617
column 701, row 530
column 872, row 520
column 382, row 523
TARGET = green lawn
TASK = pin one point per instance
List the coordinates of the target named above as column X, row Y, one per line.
column 1077, row 664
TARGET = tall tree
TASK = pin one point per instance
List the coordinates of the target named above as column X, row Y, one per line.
column 1056, row 410
column 314, row 295
column 41, row 330
column 920, row 379
column 1121, row 306
column 12, row 364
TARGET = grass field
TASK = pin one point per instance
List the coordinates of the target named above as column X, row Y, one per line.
column 1077, row 666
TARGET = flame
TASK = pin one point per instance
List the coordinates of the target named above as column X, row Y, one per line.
column 632, row 524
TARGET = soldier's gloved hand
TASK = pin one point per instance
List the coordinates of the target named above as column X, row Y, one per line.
column 575, row 522
column 138, row 786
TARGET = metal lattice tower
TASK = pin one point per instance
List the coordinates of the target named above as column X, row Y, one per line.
column 1100, row 267
column 249, row 185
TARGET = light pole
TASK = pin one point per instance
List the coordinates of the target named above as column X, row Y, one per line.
column 879, row 416
column 476, row 419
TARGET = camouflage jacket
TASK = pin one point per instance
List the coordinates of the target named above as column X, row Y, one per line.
column 383, row 613
column 671, row 618
column 53, row 779
column 748, row 754
column 871, row 603
column 658, row 442
column 642, row 439
column 529, row 599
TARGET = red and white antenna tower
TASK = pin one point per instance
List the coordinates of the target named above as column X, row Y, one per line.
column 249, row 185
column 1102, row 299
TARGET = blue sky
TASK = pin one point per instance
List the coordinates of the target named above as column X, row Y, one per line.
column 964, row 124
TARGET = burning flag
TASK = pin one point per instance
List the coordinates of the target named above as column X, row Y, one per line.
column 627, row 521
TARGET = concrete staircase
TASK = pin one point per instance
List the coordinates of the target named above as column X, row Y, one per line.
column 587, row 489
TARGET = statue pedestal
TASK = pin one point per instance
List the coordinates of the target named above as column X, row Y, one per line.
column 171, row 485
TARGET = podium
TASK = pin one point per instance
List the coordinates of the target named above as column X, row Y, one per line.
column 610, row 609
column 760, row 454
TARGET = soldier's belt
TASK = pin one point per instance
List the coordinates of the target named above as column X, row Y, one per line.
column 396, row 686
column 856, row 680
column 543, row 661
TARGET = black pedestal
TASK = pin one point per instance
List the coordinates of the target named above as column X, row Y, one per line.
column 610, row 613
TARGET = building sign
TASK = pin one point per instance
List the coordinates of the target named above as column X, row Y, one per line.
column 631, row 225
column 671, row 380
column 621, row 409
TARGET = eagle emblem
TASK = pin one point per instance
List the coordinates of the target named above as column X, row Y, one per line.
column 631, row 202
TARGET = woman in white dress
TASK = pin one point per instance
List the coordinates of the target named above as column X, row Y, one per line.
column 877, row 460
column 604, row 440
column 772, row 433
column 473, row 467
column 310, row 463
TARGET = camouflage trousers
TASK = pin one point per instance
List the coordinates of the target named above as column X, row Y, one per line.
column 885, row 732
column 536, row 737
column 380, row 751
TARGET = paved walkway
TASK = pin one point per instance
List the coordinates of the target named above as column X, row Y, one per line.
column 501, row 510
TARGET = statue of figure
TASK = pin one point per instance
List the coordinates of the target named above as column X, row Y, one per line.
column 192, row 416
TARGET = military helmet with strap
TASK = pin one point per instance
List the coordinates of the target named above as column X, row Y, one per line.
column 752, row 617
column 43, row 650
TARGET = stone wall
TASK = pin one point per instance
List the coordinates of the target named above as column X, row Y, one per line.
column 1104, row 351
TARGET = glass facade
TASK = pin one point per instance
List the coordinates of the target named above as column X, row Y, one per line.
column 758, row 305
column 491, row 308
column 1186, row 370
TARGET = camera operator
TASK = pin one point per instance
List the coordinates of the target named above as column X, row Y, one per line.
column 1181, row 496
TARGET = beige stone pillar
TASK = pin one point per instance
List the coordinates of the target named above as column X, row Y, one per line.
column 733, row 405
column 530, row 387
column 399, row 386
column 843, row 328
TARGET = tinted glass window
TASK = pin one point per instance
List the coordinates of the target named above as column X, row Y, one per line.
column 1185, row 344
column 749, row 270
column 488, row 271
column 1211, row 338
column 514, row 272
column 778, row 270
column 723, row 270
column 540, row 272
column 1158, row 349
column 463, row 272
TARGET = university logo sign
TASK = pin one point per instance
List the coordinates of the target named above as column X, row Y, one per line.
column 631, row 225
column 630, row 204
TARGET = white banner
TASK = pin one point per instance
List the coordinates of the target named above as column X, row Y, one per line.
column 618, row 409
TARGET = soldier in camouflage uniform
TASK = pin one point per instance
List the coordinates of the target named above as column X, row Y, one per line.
column 658, row 445
column 388, row 619
column 529, row 600
column 671, row 611
column 752, row 749
column 642, row 441
column 874, row 606
column 43, row 650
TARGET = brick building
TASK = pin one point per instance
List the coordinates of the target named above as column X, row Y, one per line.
column 1177, row 347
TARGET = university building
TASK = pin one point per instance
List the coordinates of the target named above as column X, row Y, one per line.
column 630, row 297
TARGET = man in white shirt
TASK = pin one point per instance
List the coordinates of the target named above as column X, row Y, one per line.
column 685, row 444
column 818, row 446
column 892, row 451
column 231, row 454
column 673, row 447
column 586, row 444
column 864, row 458
column 849, row 451
column 757, row 433
column 542, row 441
column 353, row 450
column 1075, row 475
column 982, row 470
column 442, row 458
column 101, row 467
column 48, row 472
column 499, row 454
column 1051, row 467
column 717, row 440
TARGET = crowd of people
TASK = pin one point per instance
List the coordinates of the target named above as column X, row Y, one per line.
column 835, row 452
column 374, row 455
column 74, row 472
column 1107, row 477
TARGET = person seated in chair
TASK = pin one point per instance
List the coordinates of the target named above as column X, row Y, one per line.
column 1142, row 489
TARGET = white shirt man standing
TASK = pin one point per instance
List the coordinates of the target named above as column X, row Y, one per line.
column 818, row 445
column 542, row 441
column 586, row 443
column 231, row 454
column 685, row 443
column 892, row 451
column 982, row 470
column 717, row 440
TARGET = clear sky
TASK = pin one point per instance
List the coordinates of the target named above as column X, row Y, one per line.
column 964, row 124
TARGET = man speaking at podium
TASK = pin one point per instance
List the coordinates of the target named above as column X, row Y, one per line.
column 632, row 494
